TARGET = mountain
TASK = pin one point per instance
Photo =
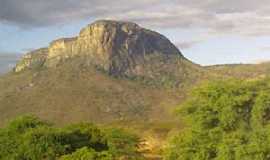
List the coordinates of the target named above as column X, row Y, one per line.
column 112, row 72
column 121, row 49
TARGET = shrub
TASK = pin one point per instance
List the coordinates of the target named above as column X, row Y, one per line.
column 228, row 120
column 29, row 138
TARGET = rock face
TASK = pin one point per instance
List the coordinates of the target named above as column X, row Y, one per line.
column 32, row 60
column 119, row 48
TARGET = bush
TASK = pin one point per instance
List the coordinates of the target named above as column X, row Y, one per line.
column 228, row 120
column 81, row 154
column 121, row 143
column 28, row 138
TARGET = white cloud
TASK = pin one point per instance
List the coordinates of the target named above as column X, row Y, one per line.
column 186, row 45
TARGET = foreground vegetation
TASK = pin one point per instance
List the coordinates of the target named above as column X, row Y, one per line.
column 29, row 138
column 228, row 120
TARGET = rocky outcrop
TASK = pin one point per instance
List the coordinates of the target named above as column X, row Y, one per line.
column 32, row 60
column 119, row 48
column 61, row 47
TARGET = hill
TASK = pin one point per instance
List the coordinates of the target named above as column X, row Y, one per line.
column 243, row 71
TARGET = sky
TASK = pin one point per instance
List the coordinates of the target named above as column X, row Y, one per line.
column 7, row 62
column 206, row 31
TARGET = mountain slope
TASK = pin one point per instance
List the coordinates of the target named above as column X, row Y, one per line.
column 73, row 94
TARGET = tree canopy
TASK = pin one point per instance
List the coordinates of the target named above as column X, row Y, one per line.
column 29, row 138
column 227, row 120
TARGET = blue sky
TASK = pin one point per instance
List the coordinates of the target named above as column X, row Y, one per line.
column 207, row 32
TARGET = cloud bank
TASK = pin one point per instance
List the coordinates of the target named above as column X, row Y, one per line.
column 242, row 17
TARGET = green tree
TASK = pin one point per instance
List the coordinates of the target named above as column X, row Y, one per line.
column 227, row 120
column 29, row 138
column 11, row 137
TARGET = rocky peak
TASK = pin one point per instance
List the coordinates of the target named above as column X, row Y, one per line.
column 109, row 24
column 121, row 48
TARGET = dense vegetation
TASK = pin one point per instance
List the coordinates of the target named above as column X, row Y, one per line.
column 29, row 138
column 229, row 120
